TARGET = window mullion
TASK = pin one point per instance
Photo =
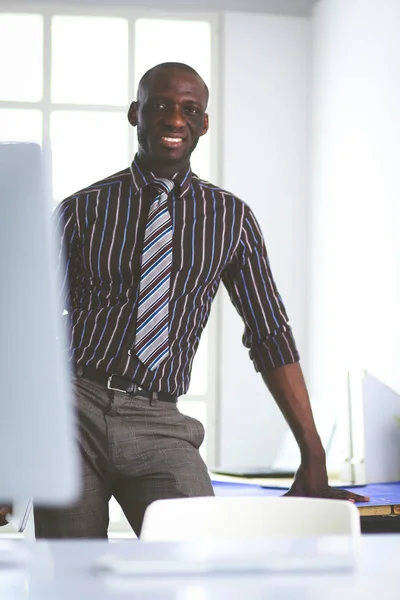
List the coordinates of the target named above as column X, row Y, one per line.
column 87, row 107
column 24, row 104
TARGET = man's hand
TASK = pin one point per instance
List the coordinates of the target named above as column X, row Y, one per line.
column 288, row 388
column 311, row 480
column 4, row 510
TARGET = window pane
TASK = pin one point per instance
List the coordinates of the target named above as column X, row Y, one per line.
column 86, row 146
column 21, row 52
column 21, row 125
column 188, row 42
column 89, row 60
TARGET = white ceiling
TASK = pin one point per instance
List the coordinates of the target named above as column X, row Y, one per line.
column 283, row 7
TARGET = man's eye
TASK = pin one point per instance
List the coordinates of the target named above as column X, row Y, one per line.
column 160, row 105
column 193, row 110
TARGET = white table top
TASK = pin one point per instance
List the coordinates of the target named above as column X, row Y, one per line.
column 70, row 570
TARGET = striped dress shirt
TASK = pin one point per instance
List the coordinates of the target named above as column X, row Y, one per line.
column 215, row 238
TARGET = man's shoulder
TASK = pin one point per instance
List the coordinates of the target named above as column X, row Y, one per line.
column 216, row 189
column 111, row 180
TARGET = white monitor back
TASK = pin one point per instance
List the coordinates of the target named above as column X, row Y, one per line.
column 381, row 406
column 38, row 457
column 373, row 431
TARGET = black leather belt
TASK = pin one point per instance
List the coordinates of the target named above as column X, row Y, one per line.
column 117, row 383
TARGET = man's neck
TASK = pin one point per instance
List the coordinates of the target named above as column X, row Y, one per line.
column 160, row 169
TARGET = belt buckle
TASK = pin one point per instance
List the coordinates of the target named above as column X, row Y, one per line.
column 131, row 389
column 113, row 387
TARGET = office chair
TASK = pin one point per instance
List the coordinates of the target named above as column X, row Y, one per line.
column 200, row 518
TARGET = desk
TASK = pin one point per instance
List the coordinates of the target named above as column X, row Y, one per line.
column 380, row 515
column 63, row 570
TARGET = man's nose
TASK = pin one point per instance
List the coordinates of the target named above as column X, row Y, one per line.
column 175, row 118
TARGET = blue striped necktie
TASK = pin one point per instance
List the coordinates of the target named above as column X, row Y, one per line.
column 152, row 325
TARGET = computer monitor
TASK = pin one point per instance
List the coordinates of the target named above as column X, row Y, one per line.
column 38, row 455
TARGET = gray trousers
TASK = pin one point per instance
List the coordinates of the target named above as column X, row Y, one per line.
column 133, row 448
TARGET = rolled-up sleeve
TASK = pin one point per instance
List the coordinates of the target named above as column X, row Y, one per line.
column 252, row 289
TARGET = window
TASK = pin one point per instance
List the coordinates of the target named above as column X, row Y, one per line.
column 68, row 80
column 89, row 79
column 93, row 69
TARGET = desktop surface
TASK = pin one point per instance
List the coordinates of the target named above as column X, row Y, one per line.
column 70, row 569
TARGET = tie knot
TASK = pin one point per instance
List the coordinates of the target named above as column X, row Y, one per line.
column 163, row 185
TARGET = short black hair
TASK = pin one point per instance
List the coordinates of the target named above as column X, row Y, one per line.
column 165, row 66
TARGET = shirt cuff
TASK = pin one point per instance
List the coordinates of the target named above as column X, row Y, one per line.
column 277, row 350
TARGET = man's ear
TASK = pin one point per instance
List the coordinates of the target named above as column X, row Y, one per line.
column 205, row 124
column 132, row 114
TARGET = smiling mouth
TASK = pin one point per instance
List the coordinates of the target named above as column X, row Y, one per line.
column 171, row 141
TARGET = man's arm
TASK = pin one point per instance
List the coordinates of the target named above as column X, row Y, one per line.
column 67, row 244
column 288, row 388
column 252, row 289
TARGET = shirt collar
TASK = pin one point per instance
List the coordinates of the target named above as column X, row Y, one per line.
column 142, row 177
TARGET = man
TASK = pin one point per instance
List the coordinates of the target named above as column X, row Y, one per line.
column 145, row 251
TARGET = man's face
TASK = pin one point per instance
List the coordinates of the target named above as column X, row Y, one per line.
column 170, row 117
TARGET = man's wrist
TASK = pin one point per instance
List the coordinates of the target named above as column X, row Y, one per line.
column 311, row 449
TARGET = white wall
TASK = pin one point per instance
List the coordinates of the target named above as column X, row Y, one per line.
column 265, row 135
column 355, row 251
